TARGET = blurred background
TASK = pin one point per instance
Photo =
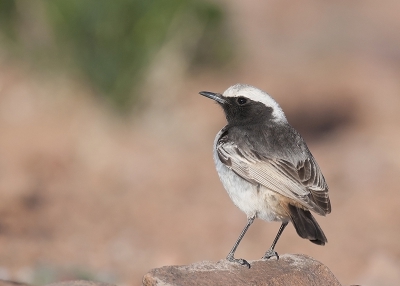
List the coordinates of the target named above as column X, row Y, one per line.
column 106, row 164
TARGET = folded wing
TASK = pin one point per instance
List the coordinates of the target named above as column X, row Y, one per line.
column 303, row 182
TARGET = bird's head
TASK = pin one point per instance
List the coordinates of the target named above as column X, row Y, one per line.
column 245, row 104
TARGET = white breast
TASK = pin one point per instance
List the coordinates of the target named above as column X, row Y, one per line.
column 252, row 200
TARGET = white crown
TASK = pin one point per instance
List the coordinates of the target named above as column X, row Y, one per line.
column 258, row 95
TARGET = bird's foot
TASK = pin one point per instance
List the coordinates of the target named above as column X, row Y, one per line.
column 270, row 253
column 240, row 261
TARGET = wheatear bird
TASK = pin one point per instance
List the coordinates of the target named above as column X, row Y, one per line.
column 266, row 167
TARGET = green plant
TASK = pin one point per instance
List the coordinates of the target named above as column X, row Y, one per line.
column 111, row 43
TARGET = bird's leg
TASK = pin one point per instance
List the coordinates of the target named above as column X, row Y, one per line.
column 271, row 252
column 231, row 254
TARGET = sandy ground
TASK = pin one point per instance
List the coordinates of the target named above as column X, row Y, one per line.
column 85, row 193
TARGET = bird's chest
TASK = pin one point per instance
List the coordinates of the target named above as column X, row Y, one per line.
column 253, row 200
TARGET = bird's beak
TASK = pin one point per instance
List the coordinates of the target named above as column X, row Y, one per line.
column 215, row 96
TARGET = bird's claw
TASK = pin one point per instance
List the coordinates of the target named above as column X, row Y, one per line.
column 239, row 261
column 270, row 253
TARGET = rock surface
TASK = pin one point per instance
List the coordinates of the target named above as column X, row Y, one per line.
column 79, row 283
column 62, row 283
column 11, row 283
column 290, row 269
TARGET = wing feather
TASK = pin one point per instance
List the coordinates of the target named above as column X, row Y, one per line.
column 303, row 182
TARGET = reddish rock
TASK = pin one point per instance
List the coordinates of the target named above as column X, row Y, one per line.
column 11, row 283
column 79, row 283
column 290, row 269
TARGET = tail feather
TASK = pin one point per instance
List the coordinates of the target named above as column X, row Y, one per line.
column 306, row 226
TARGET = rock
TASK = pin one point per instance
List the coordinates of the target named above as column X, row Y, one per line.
column 11, row 283
column 290, row 269
column 79, row 283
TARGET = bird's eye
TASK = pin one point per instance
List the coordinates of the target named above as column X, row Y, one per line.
column 241, row 100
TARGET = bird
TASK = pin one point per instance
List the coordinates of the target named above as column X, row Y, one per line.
column 266, row 167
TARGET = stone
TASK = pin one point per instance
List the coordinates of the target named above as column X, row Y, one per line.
column 79, row 283
column 11, row 283
column 290, row 269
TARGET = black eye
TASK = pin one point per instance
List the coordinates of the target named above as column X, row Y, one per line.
column 241, row 100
